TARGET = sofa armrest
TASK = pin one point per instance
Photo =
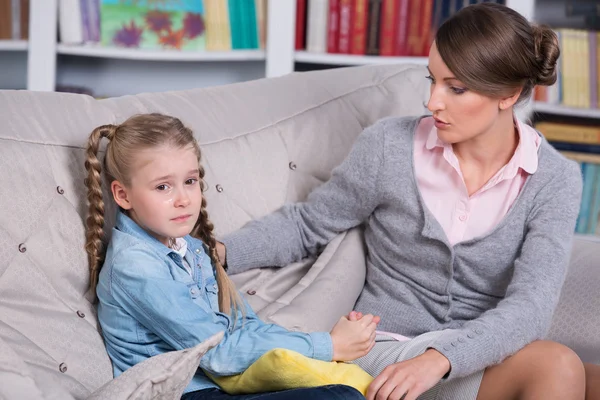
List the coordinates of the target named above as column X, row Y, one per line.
column 576, row 322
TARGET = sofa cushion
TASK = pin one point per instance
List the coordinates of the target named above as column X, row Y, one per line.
column 294, row 296
column 162, row 377
column 265, row 142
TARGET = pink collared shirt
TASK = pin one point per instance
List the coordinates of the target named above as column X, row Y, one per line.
column 444, row 192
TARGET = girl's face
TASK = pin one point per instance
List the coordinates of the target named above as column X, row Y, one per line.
column 460, row 113
column 165, row 196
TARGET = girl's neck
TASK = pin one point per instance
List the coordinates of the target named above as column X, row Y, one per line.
column 169, row 242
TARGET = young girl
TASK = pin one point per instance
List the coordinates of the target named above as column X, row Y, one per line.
column 162, row 287
column 469, row 218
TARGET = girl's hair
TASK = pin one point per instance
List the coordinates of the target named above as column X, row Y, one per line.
column 495, row 51
column 143, row 132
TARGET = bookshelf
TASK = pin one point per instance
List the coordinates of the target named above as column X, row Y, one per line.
column 13, row 45
column 283, row 63
column 50, row 63
column 160, row 55
column 348, row 59
column 556, row 109
column 119, row 71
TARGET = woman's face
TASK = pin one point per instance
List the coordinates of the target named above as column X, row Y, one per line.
column 460, row 113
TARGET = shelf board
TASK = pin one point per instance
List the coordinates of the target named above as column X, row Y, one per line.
column 563, row 110
column 160, row 55
column 13, row 45
column 590, row 237
column 350, row 59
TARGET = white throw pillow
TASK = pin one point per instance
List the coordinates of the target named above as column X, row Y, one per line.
column 162, row 377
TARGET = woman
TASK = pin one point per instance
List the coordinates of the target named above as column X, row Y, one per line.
column 469, row 219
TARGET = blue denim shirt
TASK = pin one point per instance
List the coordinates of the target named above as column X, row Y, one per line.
column 150, row 304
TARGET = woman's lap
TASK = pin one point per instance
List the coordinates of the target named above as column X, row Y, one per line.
column 389, row 351
column 329, row 392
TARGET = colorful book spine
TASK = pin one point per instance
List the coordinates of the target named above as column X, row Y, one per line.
column 388, row 27
column 218, row 35
column 581, row 225
column 360, row 18
column 593, row 222
column 589, row 175
column 556, row 132
column 300, row 24
column 373, row 27
column 316, row 26
column 345, row 26
column 401, row 40
column 16, row 19
column 414, row 29
column 85, row 20
column 593, row 68
column 333, row 27
column 577, row 147
column 261, row 20
column 584, row 69
column 425, row 27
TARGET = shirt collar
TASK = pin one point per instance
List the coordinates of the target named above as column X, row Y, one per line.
column 127, row 225
column 526, row 153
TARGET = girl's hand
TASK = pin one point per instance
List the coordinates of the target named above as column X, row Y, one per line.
column 353, row 338
column 411, row 377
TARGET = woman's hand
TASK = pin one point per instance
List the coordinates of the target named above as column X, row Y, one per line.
column 411, row 377
column 353, row 338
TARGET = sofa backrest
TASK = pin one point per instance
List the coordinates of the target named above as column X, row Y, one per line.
column 265, row 143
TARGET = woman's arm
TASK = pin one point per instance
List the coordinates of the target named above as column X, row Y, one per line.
column 525, row 314
column 298, row 230
column 146, row 290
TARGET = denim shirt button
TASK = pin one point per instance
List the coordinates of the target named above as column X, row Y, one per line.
column 193, row 291
column 197, row 251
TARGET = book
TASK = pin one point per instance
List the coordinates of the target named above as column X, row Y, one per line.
column 300, row 24
column 316, row 26
column 5, row 20
column 576, row 147
column 557, row 132
column 358, row 35
column 345, row 26
column 333, row 26
column 389, row 25
column 373, row 27
column 70, row 22
column 153, row 24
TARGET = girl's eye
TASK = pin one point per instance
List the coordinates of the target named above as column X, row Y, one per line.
column 161, row 188
column 191, row 181
column 430, row 78
column 458, row 90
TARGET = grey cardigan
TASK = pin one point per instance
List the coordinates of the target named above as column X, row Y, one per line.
column 491, row 295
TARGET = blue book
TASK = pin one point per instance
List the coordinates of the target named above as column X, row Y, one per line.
column 595, row 202
column 576, row 147
column 586, row 198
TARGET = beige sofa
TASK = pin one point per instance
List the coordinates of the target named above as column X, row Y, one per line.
column 265, row 142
